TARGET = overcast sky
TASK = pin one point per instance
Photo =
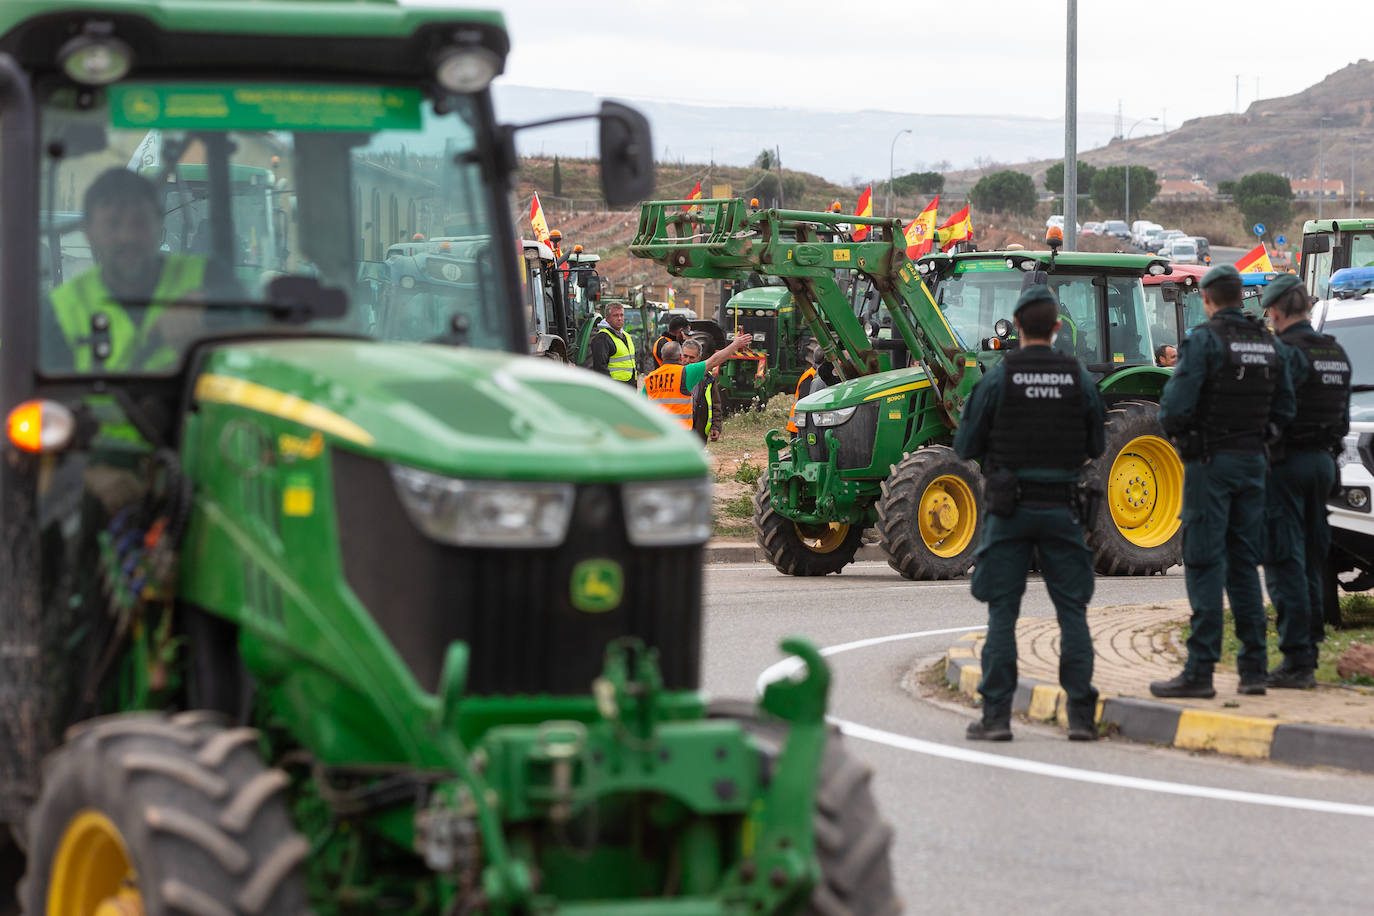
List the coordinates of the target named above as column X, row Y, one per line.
column 1166, row 59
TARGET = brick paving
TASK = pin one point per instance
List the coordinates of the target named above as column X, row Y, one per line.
column 1136, row 644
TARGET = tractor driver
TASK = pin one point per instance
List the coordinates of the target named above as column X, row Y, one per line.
column 132, row 288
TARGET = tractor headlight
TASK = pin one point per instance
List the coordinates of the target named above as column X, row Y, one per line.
column 837, row 417
column 485, row 513
column 663, row 512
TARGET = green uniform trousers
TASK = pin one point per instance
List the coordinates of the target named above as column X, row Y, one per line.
column 1298, row 541
column 1223, row 536
column 999, row 578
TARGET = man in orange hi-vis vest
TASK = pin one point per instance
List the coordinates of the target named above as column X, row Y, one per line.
column 670, row 386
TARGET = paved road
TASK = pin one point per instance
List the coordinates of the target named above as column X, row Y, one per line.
column 1042, row 825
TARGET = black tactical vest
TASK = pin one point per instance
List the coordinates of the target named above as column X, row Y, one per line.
column 1237, row 396
column 1322, row 399
column 1041, row 422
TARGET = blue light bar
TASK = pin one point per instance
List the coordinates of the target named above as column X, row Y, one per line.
column 1352, row 279
column 1258, row 279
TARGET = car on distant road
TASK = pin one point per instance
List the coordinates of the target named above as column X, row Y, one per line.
column 1180, row 251
column 1147, row 239
column 1092, row 228
column 1117, row 228
column 1139, row 228
column 1157, row 241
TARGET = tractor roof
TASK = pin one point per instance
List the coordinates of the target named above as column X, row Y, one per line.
column 360, row 39
column 1336, row 225
column 1139, row 264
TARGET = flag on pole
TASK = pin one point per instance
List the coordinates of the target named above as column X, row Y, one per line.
column 695, row 195
column 865, row 208
column 672, row 298
column 955, row 230
column 1256, row 260
column 920, row 233
column 541, row 226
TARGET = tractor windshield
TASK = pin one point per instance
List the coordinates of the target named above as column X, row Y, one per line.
column 171, row 212
column 974, row 299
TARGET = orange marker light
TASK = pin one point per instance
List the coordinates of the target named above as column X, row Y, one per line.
column 445, row 246
column 1055, row 234
column 753, row 201
column 577, row 249
column 41, row 426
column 26, row 426
column 555, row 235
column 418, row 237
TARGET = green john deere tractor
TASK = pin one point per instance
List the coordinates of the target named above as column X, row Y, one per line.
column 307, row 610
column 776, row 359
column 874, row 448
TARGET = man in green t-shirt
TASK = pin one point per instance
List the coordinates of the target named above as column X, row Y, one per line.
column 671, row 384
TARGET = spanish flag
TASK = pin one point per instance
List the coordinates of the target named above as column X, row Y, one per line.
column 920, row 233
column 695, row 195
column 865, row 208
column 1256, row 260
column 541, row 227
column 955, row 230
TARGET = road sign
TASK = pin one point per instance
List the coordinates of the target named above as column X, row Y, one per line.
column 1259, row 228
column 1281, row 241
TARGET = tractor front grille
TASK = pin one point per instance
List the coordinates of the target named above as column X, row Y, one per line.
column 765, row 327
column 512, row 607
column 856, row 439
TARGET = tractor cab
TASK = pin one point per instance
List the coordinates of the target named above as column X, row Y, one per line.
column 1330, row 245
column 1105, row 322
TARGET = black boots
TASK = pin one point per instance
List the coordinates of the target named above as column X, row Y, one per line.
column 1291, row 677
column 1082, row 726
column 1198, row 686
column 994, row 726
column 1252, row 683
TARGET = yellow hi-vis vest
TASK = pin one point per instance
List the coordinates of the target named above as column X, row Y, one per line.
column 664, row 388
column 622, row 361
column 77, row 300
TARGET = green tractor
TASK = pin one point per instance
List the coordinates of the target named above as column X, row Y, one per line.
column 776, row 360
column 308, row 611
column 874, row 449
column 1329, row 245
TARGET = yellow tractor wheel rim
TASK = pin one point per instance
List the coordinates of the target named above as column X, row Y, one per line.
column 948, row 516
column 1145, row 491
column 92, row 874
column 825, row 538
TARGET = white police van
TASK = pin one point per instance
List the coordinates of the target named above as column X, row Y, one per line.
column 1348, row 315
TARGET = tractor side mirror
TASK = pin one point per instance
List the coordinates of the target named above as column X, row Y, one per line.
column 627, row 155
column 1316, row 244
column 1169, row 290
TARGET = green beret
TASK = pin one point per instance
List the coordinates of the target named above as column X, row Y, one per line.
column 1277, row 287
column 1220, row 272
column 1037, row 293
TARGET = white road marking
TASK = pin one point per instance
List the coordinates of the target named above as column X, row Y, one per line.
column 788, row 666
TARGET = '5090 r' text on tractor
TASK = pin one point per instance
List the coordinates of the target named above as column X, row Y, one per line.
column 305, row 608
column 874, row 449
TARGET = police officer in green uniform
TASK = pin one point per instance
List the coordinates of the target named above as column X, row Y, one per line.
column 1034, row 420
column 1302, row 471
column 1228, row 393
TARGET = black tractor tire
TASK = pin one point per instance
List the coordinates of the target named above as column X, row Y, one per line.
column 853, row 842
column 1141, row 476
column 924, row 514
column 798, row 549
column 204, row 824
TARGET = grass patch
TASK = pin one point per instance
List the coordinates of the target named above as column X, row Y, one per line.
column 1357, row 612
column 748, row 473
column 739, row 507
column 751, row 425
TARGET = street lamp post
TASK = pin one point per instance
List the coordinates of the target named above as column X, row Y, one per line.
column 1321, row 168
column 887, row 211
column 1128, row 171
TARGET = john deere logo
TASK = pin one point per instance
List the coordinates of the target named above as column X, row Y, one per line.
column 597, row 586
column 810, row 438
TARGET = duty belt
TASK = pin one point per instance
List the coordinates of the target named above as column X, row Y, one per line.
column 1041, row 493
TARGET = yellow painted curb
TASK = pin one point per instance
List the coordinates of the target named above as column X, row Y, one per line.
column 970, row 637
column 1243, row 736
column 960, row 652
column 969, row 676
column 1044, row 702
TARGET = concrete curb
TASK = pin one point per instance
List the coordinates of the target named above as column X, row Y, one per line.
column 745, row 551
column 1299, row 743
